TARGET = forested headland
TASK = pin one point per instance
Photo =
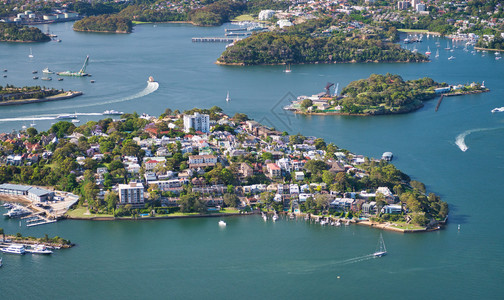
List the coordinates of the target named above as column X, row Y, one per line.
column 104, row 23
column 317, row 41
column 19, row 33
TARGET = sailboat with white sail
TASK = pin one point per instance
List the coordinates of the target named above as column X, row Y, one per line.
column 437, row 53
column 381, row 250
column 227, row 97
column 31, row 54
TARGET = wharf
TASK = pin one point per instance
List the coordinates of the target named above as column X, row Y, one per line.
column 216, row 39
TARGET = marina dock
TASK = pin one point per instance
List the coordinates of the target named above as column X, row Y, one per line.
column 216, row 39
column 439, row 102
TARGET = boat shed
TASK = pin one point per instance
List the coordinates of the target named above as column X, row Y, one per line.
column 14, row 189
column 40, row 195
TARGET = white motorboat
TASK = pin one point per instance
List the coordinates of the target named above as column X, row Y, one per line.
column 39, row 249
column 15, row 249
column 112, row 112
column 222, row 223
column 381, row 249
column 451, row 58
column 59, row 117
column 47, row 71
column 498, row 109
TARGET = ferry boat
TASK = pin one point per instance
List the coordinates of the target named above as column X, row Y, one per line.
column 222, row 223
column 59, row 117
column 39, row 249
column 15, row 249
column 381, row 250
column 112, row 112
column 47, row 71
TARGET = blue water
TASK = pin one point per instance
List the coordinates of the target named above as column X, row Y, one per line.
column 194, row 258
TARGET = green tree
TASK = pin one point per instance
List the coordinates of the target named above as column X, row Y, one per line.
column 231, row 200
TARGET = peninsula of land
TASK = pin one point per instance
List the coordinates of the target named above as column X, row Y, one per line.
column 10, row 95
column 21, row 34
column 204, row 163
column 380, row 95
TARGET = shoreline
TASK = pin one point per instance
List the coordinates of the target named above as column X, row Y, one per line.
column 489, row 49
column 101, row 31
column 50, row 98
column 371, row 224
column 157, row 218
column 319, row 62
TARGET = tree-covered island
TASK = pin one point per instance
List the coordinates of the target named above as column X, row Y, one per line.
column 18, row 33
column 104, row 23
column 148, row 167
column 319, row 41
column 379, row 95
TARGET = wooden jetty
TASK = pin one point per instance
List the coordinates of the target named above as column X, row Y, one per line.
column 216, row 39
column 439, row 102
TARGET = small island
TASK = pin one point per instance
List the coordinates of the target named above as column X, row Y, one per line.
column 21, row 34
column 318, row 41
column 104, row 23
column 380, row 95
column 11, row 95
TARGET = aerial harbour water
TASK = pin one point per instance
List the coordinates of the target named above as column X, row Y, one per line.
column 457, row 151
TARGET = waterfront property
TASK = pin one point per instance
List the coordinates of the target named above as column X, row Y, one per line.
column 132, row 193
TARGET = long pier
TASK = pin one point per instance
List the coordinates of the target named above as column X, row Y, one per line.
column 216, row 39
column 439, row 102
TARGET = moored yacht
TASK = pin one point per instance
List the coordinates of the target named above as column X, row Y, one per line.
column 39, row 249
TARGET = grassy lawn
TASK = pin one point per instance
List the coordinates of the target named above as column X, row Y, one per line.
column 140, row 22
column 406, row 226
column 243, row 18
column 80, row 212
column 413, row 30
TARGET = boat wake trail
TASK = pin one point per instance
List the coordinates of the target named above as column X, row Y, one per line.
column 460, row 139
column 149, row 89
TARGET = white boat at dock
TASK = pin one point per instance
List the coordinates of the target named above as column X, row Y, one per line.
column 275, row 217
column 14, row 249
column 39, row 249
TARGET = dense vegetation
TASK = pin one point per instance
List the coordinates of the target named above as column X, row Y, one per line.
column 310, row 42
column 104, row 23
column 10, row 92
column 142, row 13
column 386, row 93
column 18, row 33
column 216, row 13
